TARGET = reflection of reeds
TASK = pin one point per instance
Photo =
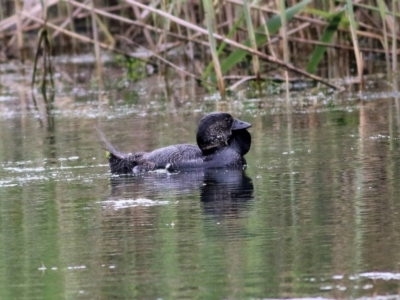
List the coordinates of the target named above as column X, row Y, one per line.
column 247, row 32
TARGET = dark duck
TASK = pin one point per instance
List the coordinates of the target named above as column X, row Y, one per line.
column 222, row 141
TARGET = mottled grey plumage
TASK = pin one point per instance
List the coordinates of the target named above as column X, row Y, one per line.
column 222, row 142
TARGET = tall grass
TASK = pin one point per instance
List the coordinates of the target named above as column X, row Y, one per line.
column 395, row 34
column 354, row 37
column 210, row 17
column 19, row 33
column 252, row 37
column 239, row 38
column 96, row 44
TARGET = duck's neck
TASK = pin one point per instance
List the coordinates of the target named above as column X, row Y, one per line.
column 211, row 151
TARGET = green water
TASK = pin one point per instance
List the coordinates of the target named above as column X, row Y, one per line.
column 316, row 214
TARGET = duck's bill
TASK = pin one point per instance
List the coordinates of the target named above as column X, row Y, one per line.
column 238, row 124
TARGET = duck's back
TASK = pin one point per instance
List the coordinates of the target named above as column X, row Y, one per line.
column 187, row 156
column 174, row 155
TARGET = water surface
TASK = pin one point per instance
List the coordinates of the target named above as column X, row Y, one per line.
column 316, row 213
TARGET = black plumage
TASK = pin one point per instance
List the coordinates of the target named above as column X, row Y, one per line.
column 222, row 141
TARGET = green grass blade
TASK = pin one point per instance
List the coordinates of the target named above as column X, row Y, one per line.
column 273, row 25
column 317, row 12
column 327, row 36
column 382, row 12
column 353, row 31
column 231, row 32
column 252, row 37
column 372, row 8
column 210, row 16
column 394, row 45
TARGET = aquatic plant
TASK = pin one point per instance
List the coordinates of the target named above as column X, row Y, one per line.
column 227, row 41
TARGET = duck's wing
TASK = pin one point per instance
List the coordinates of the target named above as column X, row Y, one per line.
column 172, row 157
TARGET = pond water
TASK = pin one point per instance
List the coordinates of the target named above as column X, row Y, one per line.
column 315, row 215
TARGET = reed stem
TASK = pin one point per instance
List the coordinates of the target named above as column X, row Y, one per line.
column 394, row 39
column 96, row 45
column 20, row 36
column 357, row 53
column 285, row 46
column 210, row 16
column 252, row 38
column 382, row 11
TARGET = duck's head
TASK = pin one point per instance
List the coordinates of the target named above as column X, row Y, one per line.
column 216, row 129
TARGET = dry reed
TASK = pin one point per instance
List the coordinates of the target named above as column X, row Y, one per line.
column 246, row 32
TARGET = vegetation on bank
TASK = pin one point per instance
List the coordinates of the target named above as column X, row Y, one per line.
column 224, row 43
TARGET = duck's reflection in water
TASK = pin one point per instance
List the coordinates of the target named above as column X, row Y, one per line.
column 220, row 191
column 225, row 192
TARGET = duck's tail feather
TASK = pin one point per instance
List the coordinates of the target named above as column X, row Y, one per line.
column 107, row 146
column 120, row 163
